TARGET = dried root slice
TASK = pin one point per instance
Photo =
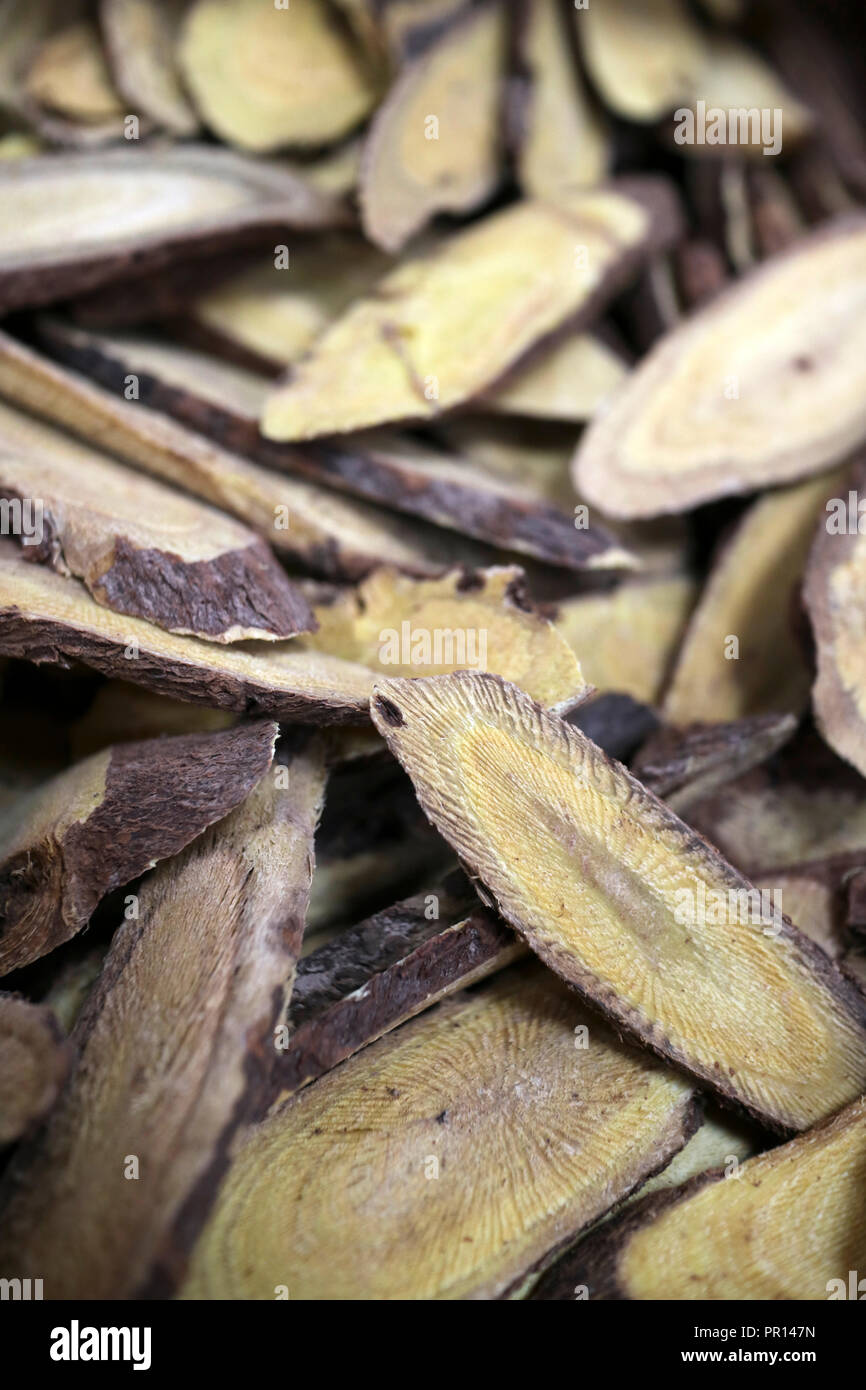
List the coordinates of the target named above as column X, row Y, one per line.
column 75, row 222
column 682, row 766
column 762, row 386
column 563, row 143
column 367, row 980
column 812, row 900
column 264, row 77
column 44, row 617
column 72, row 984
column 644, row 56
column 270, row 317
column 777, row 218
column 409, row 26
column 834, row 595
column 734, row 78
column 805, row 810
column 435, row 143
column 33, row 1065
column 146, row 550
column 743, row 653
column 68, row 78
column 140, row 36
column 445, row 327
column 790, row 1226
column 175, row 1046
column 329, row 534
column 482, row 1136
column 105, row 820
column 27, row 24
column 701, row 272
column 406, row 627
column 569, row 381
column 122, row 713
column 620, row 898
column 625, row 639
column 224, row 402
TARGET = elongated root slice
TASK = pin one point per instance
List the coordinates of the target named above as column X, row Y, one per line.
column 762, row 386
column 789, row 1225
column 175, row 1042
column 33, row 1064
column 682, row 766
column 448, row 1158
column 45, row 617
column 106, row 820
column 368, row 979
column 447, row 326
column 618, row 896
column 142, row 548
column 742, row 654
column 834, row 593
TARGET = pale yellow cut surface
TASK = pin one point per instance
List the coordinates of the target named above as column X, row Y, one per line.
column 443, row 1161
column 793, row 1222
column 264, row 77
column 605, row 884
column 625, row 640
column 400, row 626
column 70, row 76
column 570, row 381
column 750, row 597
column 642, row 55
column 435, row 144
column 444, row 327
column 564, row 143
column 764, row 385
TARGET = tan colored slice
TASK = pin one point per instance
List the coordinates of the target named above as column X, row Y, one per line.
column 625, row 639
column 448, row 1158
column 336, row 537
column 46, row 617
column 835, row 595
column 570, row 381
column 140, row 37
column 643, row 56
column 742, row 654
column 33, row 1065
column 445, row 327
column 762, row 386
column 617, row 895
column 405, row 627
column 143, row 549
column 26, row 24
column 75, row 222
column 563, row 142
column 791, row 1226
column 69, row 842
column 69, row 76
column 435, row 143
column 175, row 1044
column 276, row 315
column 264, row 77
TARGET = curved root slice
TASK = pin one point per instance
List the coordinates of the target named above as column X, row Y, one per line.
column 446, row 1159
column 789, row 1225
column 762, row 386
column 618, row 896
